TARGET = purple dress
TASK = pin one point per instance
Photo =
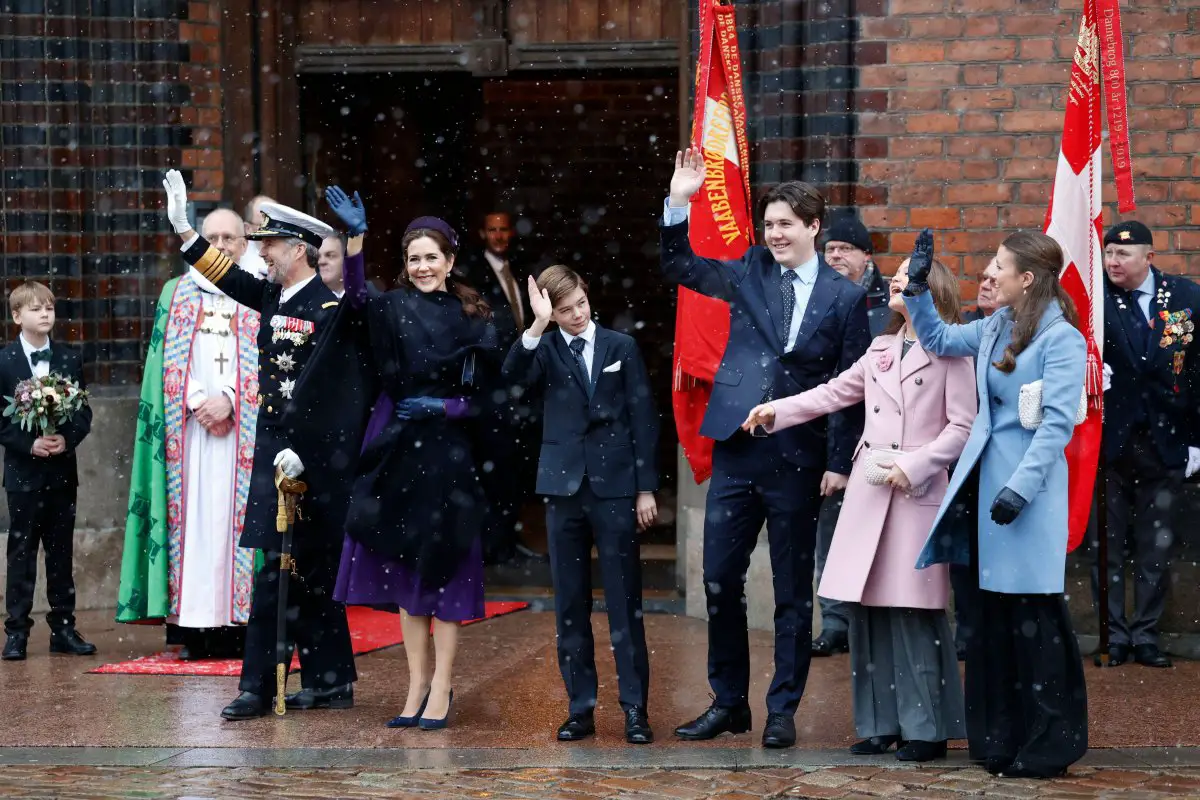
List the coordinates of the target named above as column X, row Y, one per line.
column 371, row 576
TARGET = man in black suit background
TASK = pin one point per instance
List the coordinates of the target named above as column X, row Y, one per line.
column 1151, row 431
column 42, row 479
column 507, row 426
column 598, row 470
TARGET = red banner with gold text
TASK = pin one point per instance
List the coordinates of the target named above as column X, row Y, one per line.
column 720, row 224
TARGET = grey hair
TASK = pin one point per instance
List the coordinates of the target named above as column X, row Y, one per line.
column 311, row 253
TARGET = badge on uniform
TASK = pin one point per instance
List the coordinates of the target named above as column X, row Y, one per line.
column 290, row 329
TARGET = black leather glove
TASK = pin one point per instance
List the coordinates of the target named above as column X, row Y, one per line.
column 919, row 264
column 1007, row 506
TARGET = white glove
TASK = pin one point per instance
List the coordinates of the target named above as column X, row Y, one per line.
column 1193, row 464
column 176, row 201
column 289, row 462
column 1106, row 380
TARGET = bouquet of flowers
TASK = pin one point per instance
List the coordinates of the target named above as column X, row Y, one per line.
column 43, row 405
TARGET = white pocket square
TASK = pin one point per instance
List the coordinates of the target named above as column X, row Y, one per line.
column 614, row 367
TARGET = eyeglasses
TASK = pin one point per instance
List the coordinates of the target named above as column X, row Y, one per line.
column 224, row 239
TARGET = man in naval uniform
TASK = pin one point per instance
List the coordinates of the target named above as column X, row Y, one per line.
column 315, row 379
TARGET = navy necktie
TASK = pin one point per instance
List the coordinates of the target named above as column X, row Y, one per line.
column 38, row 356
column 1140, row 323
column 787, row 288
column 577, row 344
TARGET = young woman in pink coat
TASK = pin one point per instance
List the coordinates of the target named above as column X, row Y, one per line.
column 919, row 410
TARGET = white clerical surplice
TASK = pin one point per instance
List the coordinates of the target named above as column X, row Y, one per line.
column 209, row 469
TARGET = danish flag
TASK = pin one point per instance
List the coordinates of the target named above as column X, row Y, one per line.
column 1074, row 220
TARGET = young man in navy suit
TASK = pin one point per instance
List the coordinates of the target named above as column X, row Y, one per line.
column 41, row 479
column 795, row 323
column 598, row 470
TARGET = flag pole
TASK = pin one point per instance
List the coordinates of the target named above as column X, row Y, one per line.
column 1102, row 577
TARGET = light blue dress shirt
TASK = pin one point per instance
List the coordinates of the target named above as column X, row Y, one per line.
column 1143, row 294
column 806, row 274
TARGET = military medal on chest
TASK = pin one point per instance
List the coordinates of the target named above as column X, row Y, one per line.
column 290, row 329
column 285, row 361
column 1177, row 329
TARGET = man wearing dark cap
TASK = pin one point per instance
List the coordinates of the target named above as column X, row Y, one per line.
column 314, row 386
column 848, row 249
column 1152, row 386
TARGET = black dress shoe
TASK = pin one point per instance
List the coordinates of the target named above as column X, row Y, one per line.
column 1148, row 655
column 960, row 651
column 577, row 727
column 247, row 706
column 780, row 731
column 1118, row 654
column 15, row 646
column 308, row 699
column 715, row 721
column 917, row 750
column 995, row 765
column 829, row 643
column 875, row 746
column 69, row 642
column 637, row 726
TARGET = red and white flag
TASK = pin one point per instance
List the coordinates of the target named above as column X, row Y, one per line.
column 720, row 224
column 1074, row 219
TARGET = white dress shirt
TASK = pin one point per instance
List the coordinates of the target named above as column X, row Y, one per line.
column 588, row 336
column 806, row 274
column 291, row 291
column 43, row 368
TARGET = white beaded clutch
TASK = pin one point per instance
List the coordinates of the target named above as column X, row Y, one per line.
column 876, row 473
column 1029, row 406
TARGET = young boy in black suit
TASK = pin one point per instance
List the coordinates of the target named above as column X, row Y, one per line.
column 41, row 480
column 598, row 470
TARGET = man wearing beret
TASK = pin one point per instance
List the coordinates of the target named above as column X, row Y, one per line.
column 315, row 383
column 1152, row 387
column 848, row 250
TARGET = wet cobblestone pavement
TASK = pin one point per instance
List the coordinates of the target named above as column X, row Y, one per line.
column 80, row 783
column 77, row 736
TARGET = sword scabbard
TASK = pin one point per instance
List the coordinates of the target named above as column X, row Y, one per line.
column 280, row 689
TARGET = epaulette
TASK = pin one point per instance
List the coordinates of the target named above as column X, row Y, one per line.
column 330, row 304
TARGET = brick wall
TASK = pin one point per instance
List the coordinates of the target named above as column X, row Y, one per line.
column 971, row 107
column 98, row 98
column 948, row 113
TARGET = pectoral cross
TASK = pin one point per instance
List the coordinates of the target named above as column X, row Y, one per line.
column 221, row 362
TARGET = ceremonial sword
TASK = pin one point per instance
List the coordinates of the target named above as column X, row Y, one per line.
column 289, row 490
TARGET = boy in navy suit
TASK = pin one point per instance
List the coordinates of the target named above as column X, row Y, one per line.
column 598, row 470
column 41, row 479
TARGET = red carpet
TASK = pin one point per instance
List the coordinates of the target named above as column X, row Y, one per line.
column 369, row 631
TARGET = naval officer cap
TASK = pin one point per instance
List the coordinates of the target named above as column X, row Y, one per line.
column 283, row 222
column 1130, row 232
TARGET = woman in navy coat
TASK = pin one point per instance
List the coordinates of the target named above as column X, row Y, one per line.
column 1026, row 698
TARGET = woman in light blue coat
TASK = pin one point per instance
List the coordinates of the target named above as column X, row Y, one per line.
column 1026, row 698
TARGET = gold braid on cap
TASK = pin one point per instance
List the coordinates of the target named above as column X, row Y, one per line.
column 213, row 264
